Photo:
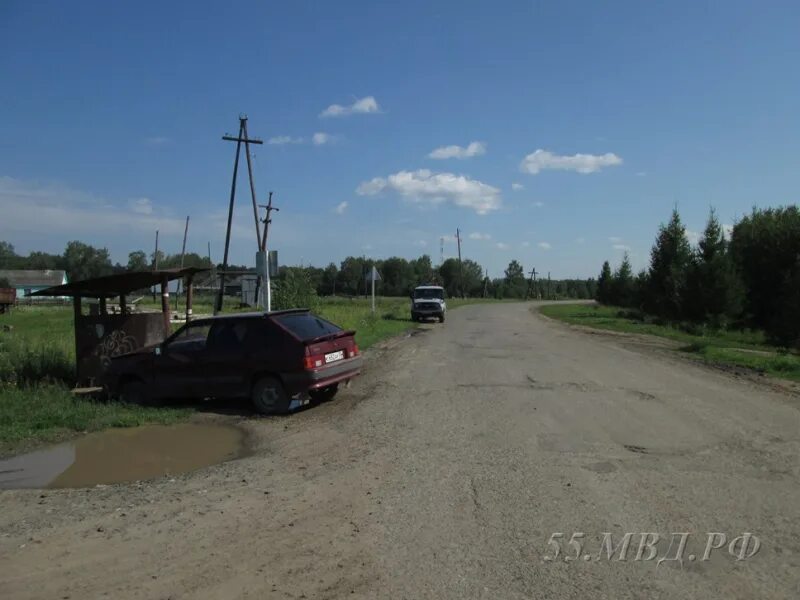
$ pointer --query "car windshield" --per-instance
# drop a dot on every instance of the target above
(431, 293)
(307, 326)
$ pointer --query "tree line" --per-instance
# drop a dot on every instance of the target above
(399, 276)
(747, 279)
(350, 277)
(83, 261)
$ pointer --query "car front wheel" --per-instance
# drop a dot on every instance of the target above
(134, 391)
(270, 397)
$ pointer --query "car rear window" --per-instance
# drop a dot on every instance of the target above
(307, 326)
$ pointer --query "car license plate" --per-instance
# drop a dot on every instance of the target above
(334, 356)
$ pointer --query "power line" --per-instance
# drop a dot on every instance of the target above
(460, 267)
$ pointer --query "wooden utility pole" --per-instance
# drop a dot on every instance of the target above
(486, 284)
(263, 248)
(531, 283)
(155, 264)
(247, 143)
(183, 255)
(267, 220)
(241, 138)
(155, 254)
(460, 267)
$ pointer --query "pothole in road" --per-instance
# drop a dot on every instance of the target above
(122, 455)
(636, 449)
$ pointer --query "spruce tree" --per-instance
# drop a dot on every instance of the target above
(603, 295)
(714, 291)
(669, 262)
(622, 287)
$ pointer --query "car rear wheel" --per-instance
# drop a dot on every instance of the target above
(323, 394)
(270, 397)
(134, 391)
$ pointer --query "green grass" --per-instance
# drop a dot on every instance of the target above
(740, 348)
(47, 412)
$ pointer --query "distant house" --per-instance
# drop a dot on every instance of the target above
(27, 281)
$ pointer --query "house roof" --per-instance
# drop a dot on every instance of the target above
(21, 278)
(115, 285)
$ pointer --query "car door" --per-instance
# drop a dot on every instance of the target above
(178, 363)
(225, 361)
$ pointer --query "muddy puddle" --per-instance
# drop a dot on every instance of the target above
(123, 455)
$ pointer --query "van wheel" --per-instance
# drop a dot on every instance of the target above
(269, 397)
(323, 394)
(134, 391)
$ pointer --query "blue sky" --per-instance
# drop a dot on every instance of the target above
(111, 118)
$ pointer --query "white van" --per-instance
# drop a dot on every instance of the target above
(427, 301)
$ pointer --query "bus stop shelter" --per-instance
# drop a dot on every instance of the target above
(100, 334)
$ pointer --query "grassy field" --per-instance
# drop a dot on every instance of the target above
(37, 359)
(727, 348)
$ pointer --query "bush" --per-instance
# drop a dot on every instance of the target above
(25, 363)
(294, 290)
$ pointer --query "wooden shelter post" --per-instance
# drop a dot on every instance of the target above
(76, 311)
(189, 297)
(165, 304)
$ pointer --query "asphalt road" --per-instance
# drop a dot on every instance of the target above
(443, 473)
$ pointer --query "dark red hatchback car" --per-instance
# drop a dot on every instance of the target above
(267, 357)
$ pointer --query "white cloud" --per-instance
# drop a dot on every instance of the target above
(421, 243)
(321, 138)
(157, 140)
(479, 236)
(580, 240)
(614, 239)
(28, 207)
(727, 229)
(425, 187)
(281, 140)
(503, 246)
(622, 247)
(525, 244)
(538, 204)
(473, 149)
(544, 245)
(142, 206)
(581, 163)
(363, 106)
(693, 236)
(641, 173)
(341, 207)
(517, 186)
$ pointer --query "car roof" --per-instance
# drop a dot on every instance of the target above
(254, 314)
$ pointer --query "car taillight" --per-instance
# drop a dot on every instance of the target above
(354, 351)
(312, 362)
